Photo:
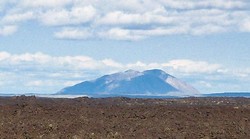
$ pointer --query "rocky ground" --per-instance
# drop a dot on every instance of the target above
(207, 118)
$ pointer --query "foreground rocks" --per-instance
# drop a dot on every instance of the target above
(207, 118)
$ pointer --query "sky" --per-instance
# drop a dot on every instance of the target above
(46, 45)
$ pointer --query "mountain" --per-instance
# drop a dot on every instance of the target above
(147, 83)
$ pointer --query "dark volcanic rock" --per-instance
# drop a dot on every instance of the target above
(31, 117)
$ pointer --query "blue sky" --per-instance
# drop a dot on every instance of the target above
(46, 45)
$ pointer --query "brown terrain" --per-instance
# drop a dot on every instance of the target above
(88, 118)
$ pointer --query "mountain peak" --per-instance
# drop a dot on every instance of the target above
(126, 75)
(130, 71)
(155, 71)
(131, 82)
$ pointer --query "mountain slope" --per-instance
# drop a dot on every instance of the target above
(149, 82)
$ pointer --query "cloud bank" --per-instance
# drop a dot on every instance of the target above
(127, 19)
(48, 74)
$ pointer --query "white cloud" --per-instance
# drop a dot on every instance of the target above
(41, 62)
(3, 4)
(73, 33)
(130, 19)
(17, 17)
(49, 74)
(189, 66)
(144, 66)
(245, 25)
(4, 55)
(119, 18)
(240, 73)
(164, 31)
(205, 84)
(192, 4)
(7, 30)
(138, 34)
(71, 83)
(45, 3)
(112, 63)
(75, 16)
(208, 29)
(35, 83)
(138, 65)
(120, 34)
